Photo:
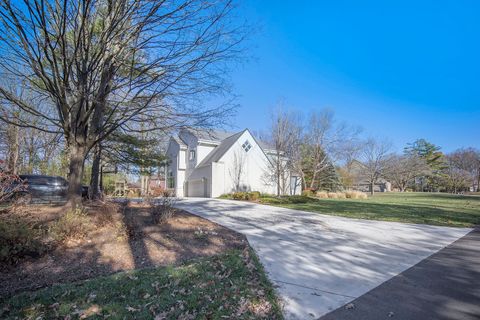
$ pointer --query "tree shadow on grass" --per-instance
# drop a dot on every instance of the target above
(103, 252)
(417, 213)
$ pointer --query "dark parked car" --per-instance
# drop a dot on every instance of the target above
(85, 192)
(44, 188)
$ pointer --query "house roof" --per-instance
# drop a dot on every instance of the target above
(220, 135)
(221, 149)
(179, 141)
(210, 134)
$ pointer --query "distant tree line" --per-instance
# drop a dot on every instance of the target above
(330, 155)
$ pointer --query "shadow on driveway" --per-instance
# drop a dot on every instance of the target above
(444, 286)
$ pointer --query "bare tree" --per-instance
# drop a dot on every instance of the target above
(237, 170)
(455, 178)
(284, 136)
(403, 169)
(374, 156)
(99, 65)
(468, 160)
(325, 141)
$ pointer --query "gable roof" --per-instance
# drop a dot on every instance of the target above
(210, 135)
(221, 149)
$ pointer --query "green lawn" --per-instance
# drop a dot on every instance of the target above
(232, 285)
(426, 208)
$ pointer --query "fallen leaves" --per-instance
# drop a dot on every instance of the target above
(132, 309)
(350, 306)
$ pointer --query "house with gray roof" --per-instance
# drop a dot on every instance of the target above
(209, 163)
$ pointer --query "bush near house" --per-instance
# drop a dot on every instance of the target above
(242, 195)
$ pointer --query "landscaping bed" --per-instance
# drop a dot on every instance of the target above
(107, 242)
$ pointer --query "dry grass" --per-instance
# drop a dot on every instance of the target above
(355, 195)
(321, 195)
(73, 225)
(341, 195)
(20, 235)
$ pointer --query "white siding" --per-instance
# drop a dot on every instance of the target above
(217, 178)
(173, 152)
(255, 168)
(202, 151)
(182, 160)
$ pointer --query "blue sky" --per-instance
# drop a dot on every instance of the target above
(400, 69)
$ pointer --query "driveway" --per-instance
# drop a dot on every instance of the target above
(320, 263)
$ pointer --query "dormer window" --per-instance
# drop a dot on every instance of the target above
(192, 155)
(246, 146)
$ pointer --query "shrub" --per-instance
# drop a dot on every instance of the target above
(74, 224)
(19, 237)
(254, 195)
(156, 191)
(308, 193)
(239, 196)
(355, 195)
(332, 195)
(104, 212)
(341, 195)
(297, 199)
(272, 200)
(162, 209)
(362, 195)
(10, 185)
(321, 194)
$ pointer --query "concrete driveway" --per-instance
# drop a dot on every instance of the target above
(319, 262)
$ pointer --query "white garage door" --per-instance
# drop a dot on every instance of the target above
(197, 188)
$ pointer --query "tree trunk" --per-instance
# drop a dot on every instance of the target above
(76, 163)
(278, 174)
(13, 149)
(94, 191)
(478, 181)
(314, 176)
(372, 191)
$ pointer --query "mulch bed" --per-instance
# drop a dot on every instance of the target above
(108, 250)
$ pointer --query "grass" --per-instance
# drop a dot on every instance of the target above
(231, 285)
(424, 208)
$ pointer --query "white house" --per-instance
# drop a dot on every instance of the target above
(211, 163)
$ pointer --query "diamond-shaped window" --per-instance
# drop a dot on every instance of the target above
(246, 146)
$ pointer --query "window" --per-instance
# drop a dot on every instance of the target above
(246, 146)
(170, 180)
(192, 155)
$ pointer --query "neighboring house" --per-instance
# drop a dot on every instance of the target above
(211, 163)
(360, 183)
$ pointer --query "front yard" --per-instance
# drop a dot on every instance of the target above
(230, 285)
(116, 262)
(425, 208)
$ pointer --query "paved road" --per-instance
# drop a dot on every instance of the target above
(321, 263)
(446, 285)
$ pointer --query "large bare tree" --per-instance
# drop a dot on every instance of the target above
(102, 64)
(374, 158)
(325, 141)
(468, 160)
(284, 136)
(402, 170)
